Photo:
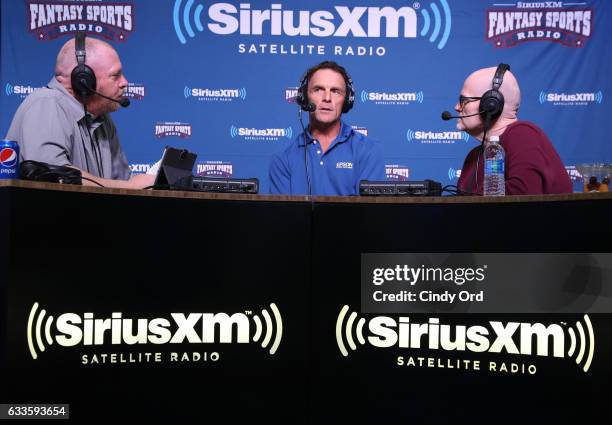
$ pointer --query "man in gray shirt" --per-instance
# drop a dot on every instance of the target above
(51, 126)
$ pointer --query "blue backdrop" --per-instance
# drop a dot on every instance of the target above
(218, 77)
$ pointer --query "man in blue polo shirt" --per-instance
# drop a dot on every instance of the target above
(336, 156)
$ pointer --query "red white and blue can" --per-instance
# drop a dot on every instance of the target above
(9, 159)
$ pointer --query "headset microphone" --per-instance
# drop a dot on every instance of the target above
(310, 107)
(123, 101)
(446, 115)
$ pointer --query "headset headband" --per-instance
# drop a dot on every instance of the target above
(498, 79)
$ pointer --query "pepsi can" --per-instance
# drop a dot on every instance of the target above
(9, 159)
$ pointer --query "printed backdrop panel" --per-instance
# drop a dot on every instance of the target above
(218, 77)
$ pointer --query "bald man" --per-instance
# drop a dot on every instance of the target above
(50, 125)
(532, 165)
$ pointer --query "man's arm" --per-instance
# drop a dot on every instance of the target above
(41, 135)
(138, 181)
(279, 175)
(371, 164)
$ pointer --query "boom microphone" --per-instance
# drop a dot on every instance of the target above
(123, 101)
(446, 115)
(311, 107)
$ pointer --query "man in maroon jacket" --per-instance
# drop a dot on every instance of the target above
(532, 164)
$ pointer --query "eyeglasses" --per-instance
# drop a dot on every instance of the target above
(464, 100)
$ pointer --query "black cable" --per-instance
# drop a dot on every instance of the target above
(93, 181)
(305, 151)
(97, 153)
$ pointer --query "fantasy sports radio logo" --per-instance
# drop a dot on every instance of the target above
(173, 129)
(135, 91)
(215, 95)
(510, 339)
(215, 169)
(52, 19)
(430, 20)
(571, 99)
(291, 94)
(453, 174)
(269, 134)
(573, 173)
(391, 98)
(569, 24)
(19, 90)
(397, 172)
(436, 138)
(79, 330)
(8, 159)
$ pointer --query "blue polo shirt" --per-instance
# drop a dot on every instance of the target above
(350, 158)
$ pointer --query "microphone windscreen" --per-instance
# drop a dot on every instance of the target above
(311, 107)
(446, 115)
(124, 101)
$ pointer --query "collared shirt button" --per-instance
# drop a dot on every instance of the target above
(321, 162)
(318, 151)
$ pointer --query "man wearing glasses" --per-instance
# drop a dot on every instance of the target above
(488, 106)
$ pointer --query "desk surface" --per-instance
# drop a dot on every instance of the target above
(321, 199)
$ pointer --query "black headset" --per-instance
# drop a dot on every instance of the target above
(43, 172)
(349, 97)
(82, 78)
(492, 101)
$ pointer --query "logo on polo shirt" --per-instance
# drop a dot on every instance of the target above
(346, 165)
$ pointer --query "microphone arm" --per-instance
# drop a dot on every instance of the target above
(446, 115)
(123, 101)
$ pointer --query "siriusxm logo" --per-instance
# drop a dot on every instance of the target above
(515, 338)
(571, 98)
(397, 172)
(168, 129)
(249, 133)
(223, 95)
(19, 90)
(85, 329)
(397, 98)
(337, 21)
(453, 174)
(51, 19)
(135, 91)
(215, 169)
(439, 137)
(140, 168)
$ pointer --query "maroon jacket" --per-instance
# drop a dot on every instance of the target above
(532, 164)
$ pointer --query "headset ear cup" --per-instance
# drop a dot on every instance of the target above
(492, 103)
(80, 74)
(349, 99)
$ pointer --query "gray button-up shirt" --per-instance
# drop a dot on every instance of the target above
(50, 126)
